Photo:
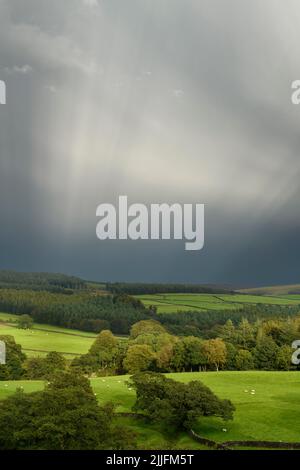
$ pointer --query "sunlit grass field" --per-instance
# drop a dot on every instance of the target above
(45, 338)
(271, 412)
(171, 303)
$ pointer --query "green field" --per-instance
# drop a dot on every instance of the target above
(42, 339)
(272, 413)
(171, 303)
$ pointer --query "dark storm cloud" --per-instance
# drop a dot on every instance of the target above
(161, 100)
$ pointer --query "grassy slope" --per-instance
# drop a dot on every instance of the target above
(170, 303)
(273, 290)
(44, 338)
(273, 413)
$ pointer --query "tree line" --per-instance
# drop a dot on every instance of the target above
(206, 323)
(66, 415)
(51, 282)
(91, 311)
(150, 288)
(265, 345)
(83, 310)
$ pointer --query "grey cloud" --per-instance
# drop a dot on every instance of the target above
(162, 100)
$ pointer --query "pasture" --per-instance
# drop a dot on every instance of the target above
(171, 303)
(267, 405)
(42, 339)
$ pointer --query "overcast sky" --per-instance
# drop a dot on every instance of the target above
(163, 101)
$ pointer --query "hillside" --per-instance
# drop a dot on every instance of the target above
(270, 413)
(172, 303)
(52, 282)
(290, 289)
(41, 339)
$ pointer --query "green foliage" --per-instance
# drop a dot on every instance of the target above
(13, 369)
(103, 355)
(25, 322)
(194, 353)
(214, 351)
(146, 327)
(37, 368)
(140, 288)
(273, 412)
(265, 353)
(245, 334)
(283, 358)
(231, 353)
(139, 357)
(105, 343)
(65, 416)
(204, 323)
(82, 310)
(40, 281)
(244, 360)
(176, 405)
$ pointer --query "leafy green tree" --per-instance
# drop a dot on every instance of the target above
(155, 340)
(244, 360)
(56, 361)
(231, 352)
(245, 334)
(104, 349)
(103, 356)
(120, 356)
(65, 416)
(105, 341)
(25, 322)
(284, 358)
(43, 367)
(176, 405)
(265, 353)
(162, 346)
(227, 331)
(146, 327)
(215, 352)
(282, 333)
(194, 357)
(177, 360)
(13, 369)
(34, 368)
(164, 357)
(139, 357)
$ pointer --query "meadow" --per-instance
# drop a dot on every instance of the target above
(171, 303)
(41, 339)
(267, 405)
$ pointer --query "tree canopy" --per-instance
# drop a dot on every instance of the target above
(174, 404)
(65, 416)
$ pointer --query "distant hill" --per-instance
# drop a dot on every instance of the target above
(52, 282)
(273, 290)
